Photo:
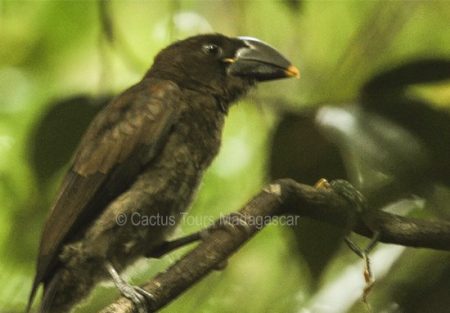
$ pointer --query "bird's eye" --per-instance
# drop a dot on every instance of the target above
(212, 49)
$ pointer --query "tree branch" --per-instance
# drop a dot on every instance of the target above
(285, 196)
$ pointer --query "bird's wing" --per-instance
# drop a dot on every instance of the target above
(122, 138)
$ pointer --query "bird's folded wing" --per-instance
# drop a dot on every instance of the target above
(122, 139)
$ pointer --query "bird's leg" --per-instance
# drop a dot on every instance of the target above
(140, 297)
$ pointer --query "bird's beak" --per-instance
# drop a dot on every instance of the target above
(260, 61)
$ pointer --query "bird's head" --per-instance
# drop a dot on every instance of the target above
(223, 66)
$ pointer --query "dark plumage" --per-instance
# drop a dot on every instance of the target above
(145, 153)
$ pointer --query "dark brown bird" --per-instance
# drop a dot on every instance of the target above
(144, 154)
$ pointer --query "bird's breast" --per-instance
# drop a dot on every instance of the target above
(172, 178)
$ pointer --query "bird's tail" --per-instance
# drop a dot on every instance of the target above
(62, 292)
(49, 296)
(50, 290)
(34, 289)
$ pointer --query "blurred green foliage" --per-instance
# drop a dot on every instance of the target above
(51, 51)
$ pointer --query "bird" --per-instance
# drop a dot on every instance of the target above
(144, 154)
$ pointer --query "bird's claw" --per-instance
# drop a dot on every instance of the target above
(141, 298)
(147, 297)
(135, 295)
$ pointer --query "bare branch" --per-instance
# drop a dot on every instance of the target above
(285, 196)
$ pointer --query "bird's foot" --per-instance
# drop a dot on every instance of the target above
(141, 298)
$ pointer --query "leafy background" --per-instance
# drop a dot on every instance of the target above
(60, 61)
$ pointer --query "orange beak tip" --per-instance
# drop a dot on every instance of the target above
(293, 71)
